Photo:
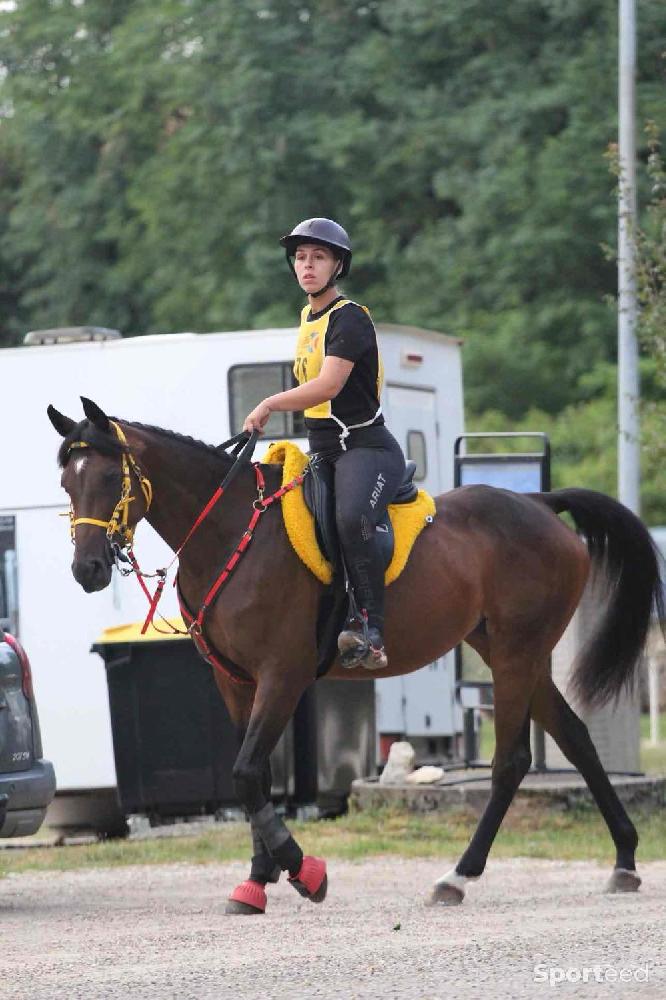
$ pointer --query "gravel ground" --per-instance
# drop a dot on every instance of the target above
(161, 932)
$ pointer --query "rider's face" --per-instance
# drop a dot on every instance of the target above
(314, 265)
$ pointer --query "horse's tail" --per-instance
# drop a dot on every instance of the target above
(621, 545)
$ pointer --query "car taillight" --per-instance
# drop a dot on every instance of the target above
(26, 673)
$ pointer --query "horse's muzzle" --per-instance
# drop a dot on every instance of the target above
(92, 574)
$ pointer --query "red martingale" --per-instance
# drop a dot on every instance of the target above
(260, 505)
(250, 893)
(207, 651)
(195, 623)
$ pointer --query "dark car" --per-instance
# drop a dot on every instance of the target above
(27, 782)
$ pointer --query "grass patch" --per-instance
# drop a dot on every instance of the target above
(487, 738)
(652, 759)
(527, 832)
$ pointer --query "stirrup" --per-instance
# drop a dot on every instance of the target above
(353, 648)
(357, 649)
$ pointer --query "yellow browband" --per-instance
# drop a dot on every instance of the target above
(118, 523)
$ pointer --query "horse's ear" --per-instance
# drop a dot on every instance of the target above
(62, 424)
(95, 415)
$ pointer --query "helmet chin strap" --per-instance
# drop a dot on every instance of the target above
(329, 284)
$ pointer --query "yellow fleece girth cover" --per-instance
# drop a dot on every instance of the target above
(408, 519)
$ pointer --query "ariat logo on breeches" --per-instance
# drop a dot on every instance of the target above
(377, 491)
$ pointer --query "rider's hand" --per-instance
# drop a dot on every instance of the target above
(257, 420)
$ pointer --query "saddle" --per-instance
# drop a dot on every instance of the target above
(319, 497)
(309, 518)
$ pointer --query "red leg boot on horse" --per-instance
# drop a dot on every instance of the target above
(251, 776)
(249, 897)
(274, 850)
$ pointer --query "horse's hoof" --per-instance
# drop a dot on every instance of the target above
(238, 909)
(247, 899)
(623, 880)
(445, 894)
(311, 881)
(320, 895)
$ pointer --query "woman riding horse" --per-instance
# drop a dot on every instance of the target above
(340, 376)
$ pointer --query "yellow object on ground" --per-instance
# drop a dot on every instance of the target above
(132, 632)
(408, 519)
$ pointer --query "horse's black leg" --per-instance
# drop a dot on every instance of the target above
(273, 706)
(510, 765)
(264, 868)
(245, 898)
(551, 710)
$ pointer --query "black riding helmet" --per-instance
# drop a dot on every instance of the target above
(327, 233)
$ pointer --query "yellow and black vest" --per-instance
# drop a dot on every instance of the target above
(358, 403)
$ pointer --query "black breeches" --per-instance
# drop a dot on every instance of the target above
(366, 480)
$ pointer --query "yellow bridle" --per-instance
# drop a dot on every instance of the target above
(118, 524)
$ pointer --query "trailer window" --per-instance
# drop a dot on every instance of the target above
(7, 572)
(416, 452)
(249, 384)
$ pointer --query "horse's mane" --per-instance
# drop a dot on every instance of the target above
(108, 444)
(187, 439)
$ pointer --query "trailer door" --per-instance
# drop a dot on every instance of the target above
(8, 597)
(412, 419)
(421, 704)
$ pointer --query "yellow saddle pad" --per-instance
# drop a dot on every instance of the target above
(408, 519)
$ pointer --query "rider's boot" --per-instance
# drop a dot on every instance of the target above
(361, 643)
(352, 646)
(352, 643)
(375, 658)
(362, 647)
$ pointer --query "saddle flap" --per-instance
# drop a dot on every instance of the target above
(319, 497)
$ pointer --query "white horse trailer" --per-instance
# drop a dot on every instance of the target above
(203, 385)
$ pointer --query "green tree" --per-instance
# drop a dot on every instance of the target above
(160, 148)
(583, 437)
(651, 282)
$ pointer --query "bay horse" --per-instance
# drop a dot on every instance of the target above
(495, 569)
